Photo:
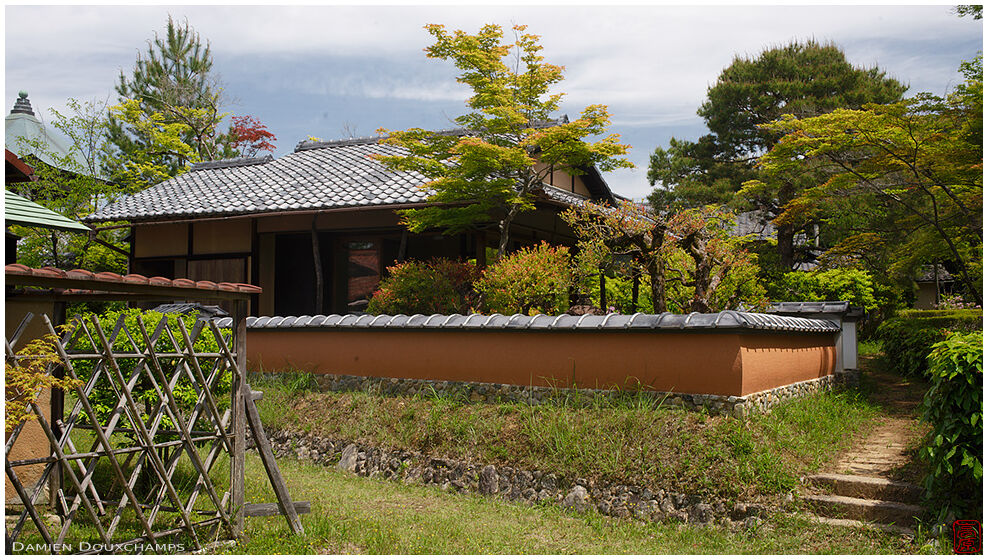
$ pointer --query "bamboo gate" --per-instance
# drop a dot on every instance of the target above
(143, 438)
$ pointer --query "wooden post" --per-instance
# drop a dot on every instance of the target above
(317, 264)
(57, 412)
(274, 475)
(402, 246)
(239, 419)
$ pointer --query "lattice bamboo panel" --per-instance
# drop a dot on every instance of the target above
(132, 454)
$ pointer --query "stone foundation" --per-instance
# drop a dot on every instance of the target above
(738, 407)
(515, 484)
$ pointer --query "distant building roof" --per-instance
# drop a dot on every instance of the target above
(201, 310)
(21, 211)
(754, 222)
(16, 170)
(318, 175)
(926, 274)
(22, 128)
(801, 308)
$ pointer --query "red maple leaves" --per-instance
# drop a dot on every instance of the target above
(251, 136)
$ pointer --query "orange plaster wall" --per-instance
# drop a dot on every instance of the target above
(687, 363)
(31, 443)
(775, 360)
(706, 363)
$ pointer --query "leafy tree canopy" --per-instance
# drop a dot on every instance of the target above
(72, 186)
(802, 79)
(496, 166)
(691, 259)
(920, 160)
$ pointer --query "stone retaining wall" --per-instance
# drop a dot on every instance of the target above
(529, 486)
(495, 392)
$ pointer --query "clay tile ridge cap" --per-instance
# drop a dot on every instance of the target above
(248, 288)
(159, 281)
(50, 272)
(81, 274)
(109, 277)
(206, 285)
(226, 287)
(183, 283)
(135, 279)
(15, 268)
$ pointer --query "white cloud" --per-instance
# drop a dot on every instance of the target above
(651, 64)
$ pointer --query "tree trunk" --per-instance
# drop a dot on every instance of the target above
(505, 227)
(656, 268)
(786, 246)
(635, 284)
(54, 248)
(658, 286)
(786, 232)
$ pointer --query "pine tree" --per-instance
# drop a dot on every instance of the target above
(173, 85)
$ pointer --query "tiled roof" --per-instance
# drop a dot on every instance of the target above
(22, 275)
(24, 133)
(185, 308)
(560, 195)
(801, 308)
(328, 177)
(809, 306)
(21, 211)
(318, 175)
(639, 321)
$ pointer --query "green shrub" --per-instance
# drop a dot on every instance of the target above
(532, 280)
(908, 338)
(437, 286)
(953, 447)
(104, 398)
(838, 284)
(619, 293)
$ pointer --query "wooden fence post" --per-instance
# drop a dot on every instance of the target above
(239, 419)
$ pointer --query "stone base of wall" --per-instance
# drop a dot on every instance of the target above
(738, 407)
(515, 484)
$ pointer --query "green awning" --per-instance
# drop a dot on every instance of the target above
(21, 211)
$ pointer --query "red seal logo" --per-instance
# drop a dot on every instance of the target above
(967, 536)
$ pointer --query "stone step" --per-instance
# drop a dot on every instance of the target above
(894, 529)
(878, 511)
(868, 487)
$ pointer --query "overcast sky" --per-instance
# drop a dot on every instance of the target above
(327, 71)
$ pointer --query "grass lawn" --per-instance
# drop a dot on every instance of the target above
(352, 515)
(632, 441)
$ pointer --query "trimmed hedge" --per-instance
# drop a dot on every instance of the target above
(908, 338)
(953, 447)
(437, 286)
(531, 280)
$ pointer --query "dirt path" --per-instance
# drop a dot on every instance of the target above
(888, 451)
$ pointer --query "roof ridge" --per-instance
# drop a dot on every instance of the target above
(459, 131)
(231, 162)
(316, 144)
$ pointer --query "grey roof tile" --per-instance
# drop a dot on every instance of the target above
(318, 175)
(315, 178)
(729, 320)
